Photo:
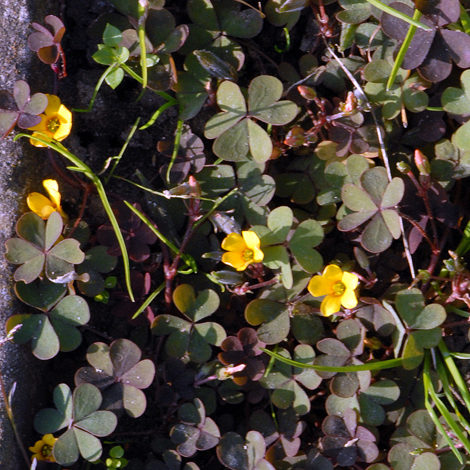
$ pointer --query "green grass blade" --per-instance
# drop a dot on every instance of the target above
(157, 113)
(97, 87)
(429, 391)
(176, 147)
(403, 49)
(117, 159)
(444, 378)
(398, 14)
(379, 365)
(464, 245)
(454, 371)
(149, 300)
(464, 19)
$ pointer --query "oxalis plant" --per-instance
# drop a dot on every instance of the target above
(278, 279)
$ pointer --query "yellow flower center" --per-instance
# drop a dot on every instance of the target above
(46, 450)
(53, 124)
(248, 255)
(338, 289)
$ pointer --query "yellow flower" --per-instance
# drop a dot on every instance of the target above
(56, 122)
(42, 450)
(338, 286)
(43, 206)
(242, 250)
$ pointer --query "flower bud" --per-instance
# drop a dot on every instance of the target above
(422, 163)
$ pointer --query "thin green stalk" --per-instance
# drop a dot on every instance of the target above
(97, 87)
(464, 19)
(217, 203)
(149, 300)
(444, 378)
(117, 159)
(403, 49)
(454, 371)
(379, 365)
(464, 245)
(143, 51)
(158, 112)
(189, 260)
(86, 170)
(398, 14)
(430, 392)
(176, 147)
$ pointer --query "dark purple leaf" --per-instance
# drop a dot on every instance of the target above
(93, 376)
(21, 92)
(437, 65)
(397, 29)
(367, 450)
(459, 46)
(429, 125)
(7, 101)
(441, 12)
(7, 122)
(28, 120)
(41, 29)
(56, 24)
(37, 104)
(38, 40)
(335, 426)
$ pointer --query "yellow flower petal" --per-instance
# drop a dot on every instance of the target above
(53, 105)
(333, 273)
(331, 304)
(348, 299)
(319, 286)
(350, 280)
(62, 132)
(251, 239)
(49, 439)
(37, 447)
(64, 115)
(234, 242)
(235, 259)
(258, 255)
(52, 187)
(37, 202)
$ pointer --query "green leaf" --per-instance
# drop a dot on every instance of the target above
(112, 36)
(279, 223)
(88, 445)
(376, 236)
(355, 11)
(457, 100)
(307, 236)
(357, 199)
(234, 144)
(412, 354)
(114, 78)
(273, 315)
(461, 138)
(45, 343)
(206, 303)
(261, 146)
(276, 257)
(66, 449)
(86, 400)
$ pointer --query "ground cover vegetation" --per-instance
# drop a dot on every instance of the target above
(285, 285)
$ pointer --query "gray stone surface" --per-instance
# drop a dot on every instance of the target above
(22, 169)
